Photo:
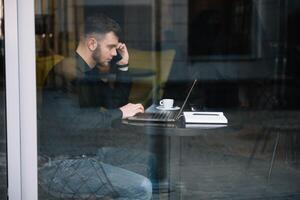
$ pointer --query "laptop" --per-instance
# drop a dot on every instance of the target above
(155, 115)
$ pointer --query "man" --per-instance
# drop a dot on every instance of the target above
(78, 86)
(97, 48)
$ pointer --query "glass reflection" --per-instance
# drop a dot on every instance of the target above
(3, 141)
(244, 55)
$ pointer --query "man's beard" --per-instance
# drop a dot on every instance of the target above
(96, 57)
(103, 67)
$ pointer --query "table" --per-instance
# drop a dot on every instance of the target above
(164, 137)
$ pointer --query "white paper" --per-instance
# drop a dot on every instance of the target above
(205, 126)
(205, 117)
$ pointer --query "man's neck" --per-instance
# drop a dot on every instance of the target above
(85, 55)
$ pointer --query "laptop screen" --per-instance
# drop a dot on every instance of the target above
(185, 100)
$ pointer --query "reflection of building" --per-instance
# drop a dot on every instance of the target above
(64, 21)
(1, 46)
(222, 29)
(264, 78)
(204, 33)
(44, 30)
(1, 21)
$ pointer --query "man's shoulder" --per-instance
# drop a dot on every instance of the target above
(67, 62)
(66, 68)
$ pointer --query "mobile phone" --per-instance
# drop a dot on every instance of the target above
(114, 60)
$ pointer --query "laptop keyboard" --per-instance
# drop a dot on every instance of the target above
(157, 115)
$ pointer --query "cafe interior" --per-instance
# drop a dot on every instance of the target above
(244, 56)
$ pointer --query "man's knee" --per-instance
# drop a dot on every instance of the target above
(146, 189)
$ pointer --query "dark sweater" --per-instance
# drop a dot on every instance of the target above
(74, 93)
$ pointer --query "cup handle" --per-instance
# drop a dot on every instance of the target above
(161, 102)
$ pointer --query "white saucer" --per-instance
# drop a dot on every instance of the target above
(162, 108)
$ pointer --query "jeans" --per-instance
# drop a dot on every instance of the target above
(127, 184)
(134, 160)
(93, 178)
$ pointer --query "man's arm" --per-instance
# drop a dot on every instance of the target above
(123, 81)
(122, 87)
(61, 104)
(63, 109)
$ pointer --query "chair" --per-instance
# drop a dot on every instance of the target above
(287, 127)
(43, 67)
(160, 62)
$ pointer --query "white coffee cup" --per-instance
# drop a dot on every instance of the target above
(167, 103)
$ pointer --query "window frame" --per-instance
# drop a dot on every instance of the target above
(21, 99)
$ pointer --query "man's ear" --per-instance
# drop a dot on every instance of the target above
(92, 44)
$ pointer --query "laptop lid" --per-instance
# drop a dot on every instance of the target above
(186, 99)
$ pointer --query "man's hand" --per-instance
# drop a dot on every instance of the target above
(122, 49)
(130, 110)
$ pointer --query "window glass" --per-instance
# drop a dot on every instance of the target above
(93, 57)
(3, 141)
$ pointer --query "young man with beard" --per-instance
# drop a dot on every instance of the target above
(99, 51)
(96, 76)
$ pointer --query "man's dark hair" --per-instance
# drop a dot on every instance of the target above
(100, 24)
